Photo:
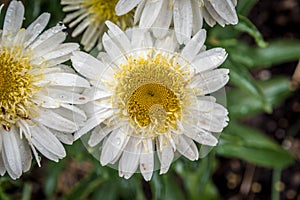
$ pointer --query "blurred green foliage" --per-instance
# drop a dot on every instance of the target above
(185, 180)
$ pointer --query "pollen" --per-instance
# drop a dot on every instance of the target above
(102, 10)
(150, 93)
(16, 87)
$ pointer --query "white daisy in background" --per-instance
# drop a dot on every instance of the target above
(36, 92)
(88, 16)
(187, 15)
(149, 96)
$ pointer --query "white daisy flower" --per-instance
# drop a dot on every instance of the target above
(148, 95)
(36, 92)
(187, 15)
(88, 16)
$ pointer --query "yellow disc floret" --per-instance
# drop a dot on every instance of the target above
(143, 105)
(150, 92)
(102, 10)
(16, 87)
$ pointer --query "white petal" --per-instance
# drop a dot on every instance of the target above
(168, 43)
(197, 17)
(226, 10)
(47, 35)
(207, 17)
(2, 167)
(138, 11)
(204, 106)
(118, 36)
(113, 146)
(25, 153)
(183, 20)
(99, 133)
(48, 45)
(209, 59)
(187, 147)
(163, 21)
(147, 159)
(36, 27)
(215, 120)
(165, 154)
(214, 14)
(63, 137)
(141, 41)
(61, 50)
(129, 160)
(76, 113)
(97, 94)
(113, 50)
(150, 13)
(87, 65)
(124, 6)
(93, 122)
(193, 46)
(209, 81)
(200, 135)
(81, 27)
(13, 19)
(79, 19)
(11, 153)
(56, 121)
(47, 143)
(73, 15)
(66, 79)
(63, 96)
(19, 38)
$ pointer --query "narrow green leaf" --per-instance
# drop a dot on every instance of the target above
(251, 145)
(107, 191)
(26, 194)
(241, 78)
(86, 186)
(245, 25)
(173, 190)
(3, 195)
(277, 52)
(275, 181)
(53, 171)
(197, 177)
(241, 104)
(157, 186)
(244, 6)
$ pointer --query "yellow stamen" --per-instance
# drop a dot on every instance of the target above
(102, 10)
(16, 87)
(150, 92)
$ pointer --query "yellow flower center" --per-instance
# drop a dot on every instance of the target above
(150, 92)
(102, 10)
(153, 103)
(16, 87)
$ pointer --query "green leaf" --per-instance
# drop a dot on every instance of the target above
(245, 25)
(241, 104)
(251, 145)
(3, 195)
(26, 194)
(197, 177)
(277, 52)
(53, 171)
(244, 6)
(172, 188)
(157, 186)
(241, 78)
(86, 186)
(107, 191)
